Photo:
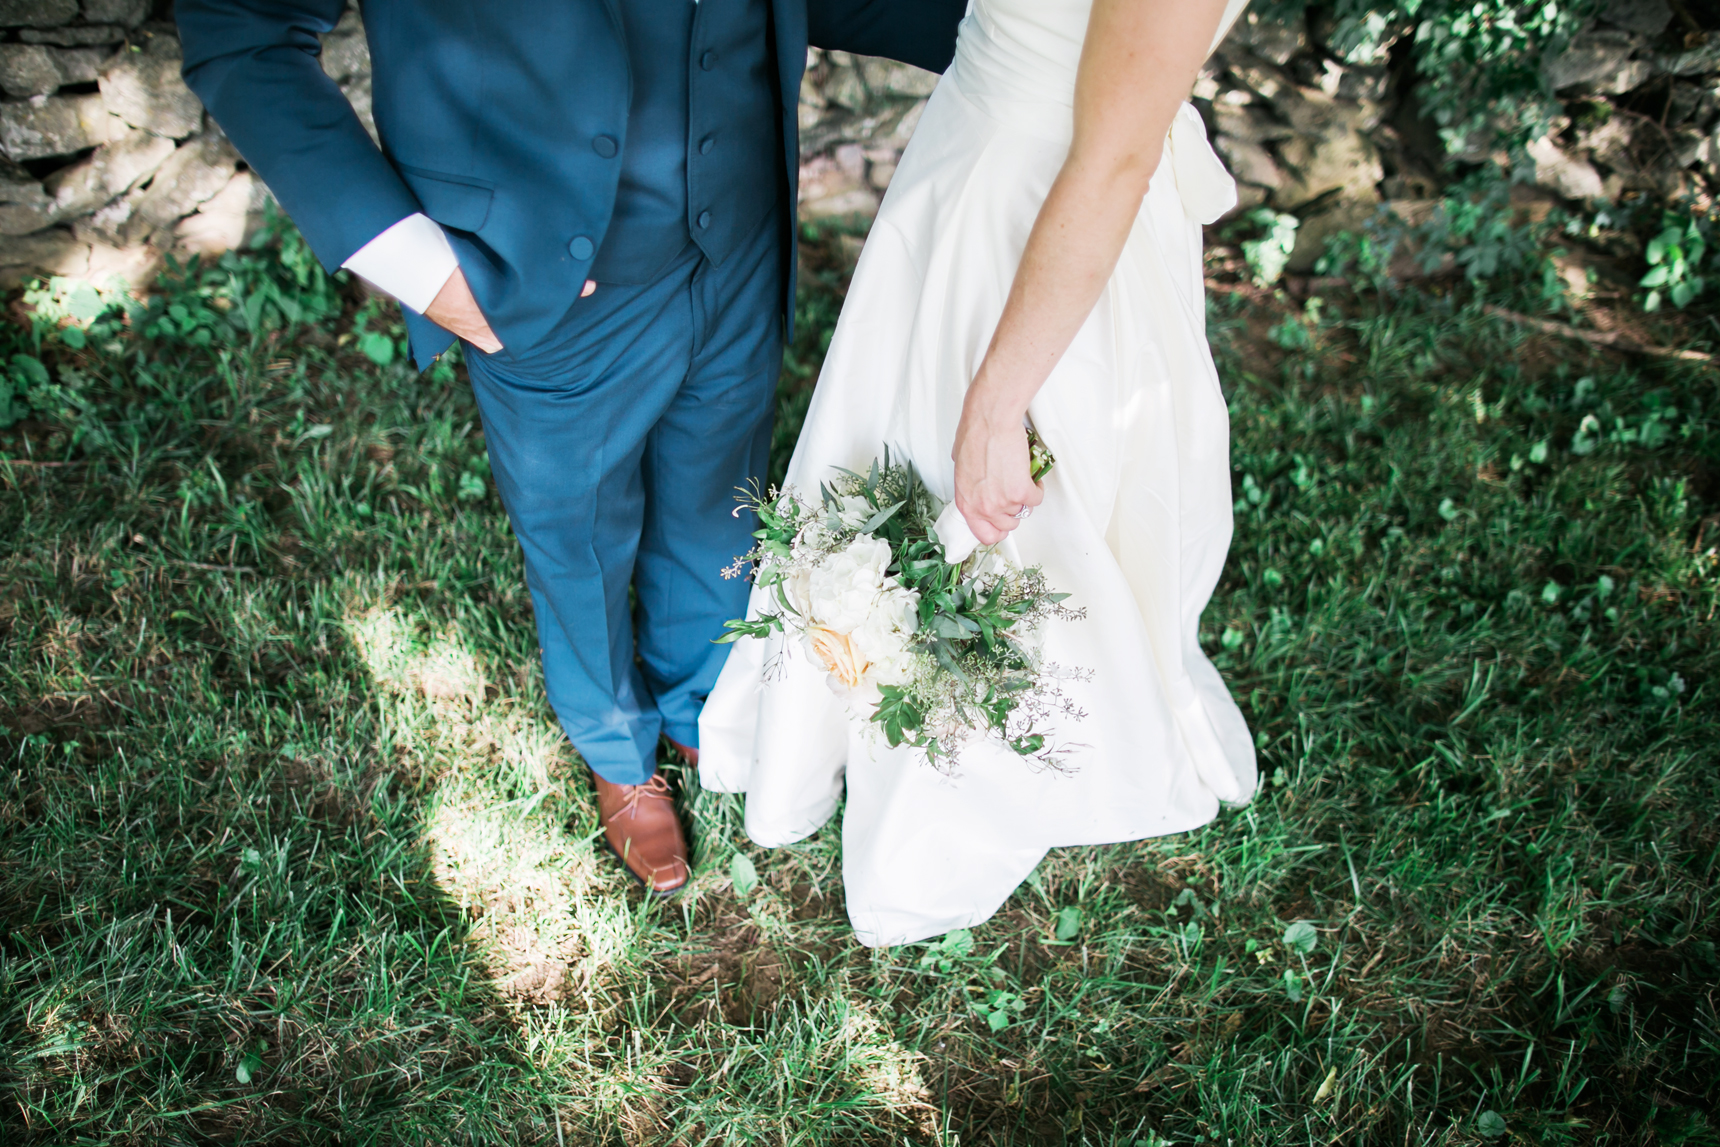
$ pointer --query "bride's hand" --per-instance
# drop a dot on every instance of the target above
(994, 482)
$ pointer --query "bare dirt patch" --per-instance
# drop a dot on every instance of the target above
(732, 973)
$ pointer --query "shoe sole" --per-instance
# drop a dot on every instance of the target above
(650, 890)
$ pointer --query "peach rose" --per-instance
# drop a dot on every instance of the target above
(838, 654)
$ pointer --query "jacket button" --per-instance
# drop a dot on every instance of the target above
(704, 219)
(708, 61)
(706, 144)
(604, 145)
(581, 247)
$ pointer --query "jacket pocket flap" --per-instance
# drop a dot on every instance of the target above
(451, 200)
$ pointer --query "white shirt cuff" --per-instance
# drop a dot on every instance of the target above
(412, 261)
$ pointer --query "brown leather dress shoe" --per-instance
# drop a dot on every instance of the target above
(641, 827)
(688, 753)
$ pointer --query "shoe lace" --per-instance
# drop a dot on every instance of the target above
(657, 788)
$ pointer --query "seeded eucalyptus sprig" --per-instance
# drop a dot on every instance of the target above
(781, 519)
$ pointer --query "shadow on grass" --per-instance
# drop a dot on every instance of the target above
(237, 885)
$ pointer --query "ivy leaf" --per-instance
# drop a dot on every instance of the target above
(1301, 937)
(377, 347)
(1068, 923)
(30, 369)
(743, 874)
(249, 1067)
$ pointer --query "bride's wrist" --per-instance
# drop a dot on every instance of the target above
(990, 406)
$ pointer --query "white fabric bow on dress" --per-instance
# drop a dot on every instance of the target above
(1205, 187)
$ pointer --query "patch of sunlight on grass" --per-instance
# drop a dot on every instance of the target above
(882, 1066)
(628, 1088)
(545, 919)
(532, 751)
(519, 880)
(384, 641)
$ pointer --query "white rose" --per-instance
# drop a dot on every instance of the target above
(883, 638)
(798, 585)
(844, 586)
(902, 606)
(853, 511)
(813, 536)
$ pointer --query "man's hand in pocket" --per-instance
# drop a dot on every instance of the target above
(455, 310)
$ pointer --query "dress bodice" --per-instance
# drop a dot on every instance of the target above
(1017, 59)
(1028, 51)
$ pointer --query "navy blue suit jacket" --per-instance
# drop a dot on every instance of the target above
(487, 110)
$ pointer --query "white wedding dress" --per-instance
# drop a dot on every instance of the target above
(1135, 523)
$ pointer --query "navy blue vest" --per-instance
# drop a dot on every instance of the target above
(700, 163)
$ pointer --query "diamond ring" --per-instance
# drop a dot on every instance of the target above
(1025, 511)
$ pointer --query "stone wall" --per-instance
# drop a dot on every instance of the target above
(107, 157)
(1329, 140)
(108, 163)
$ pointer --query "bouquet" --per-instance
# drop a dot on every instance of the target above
(930, 637)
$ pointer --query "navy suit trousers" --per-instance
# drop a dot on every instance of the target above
(619, 444)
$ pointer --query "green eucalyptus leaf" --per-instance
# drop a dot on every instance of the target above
(881, 517)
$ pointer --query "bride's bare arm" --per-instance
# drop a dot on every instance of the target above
(1139, 61)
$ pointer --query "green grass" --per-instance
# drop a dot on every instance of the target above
(291, 850)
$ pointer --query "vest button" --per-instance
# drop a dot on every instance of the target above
(581, 247)
(708, 61)
(706, 144)
(604, 145)
(704, 219)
